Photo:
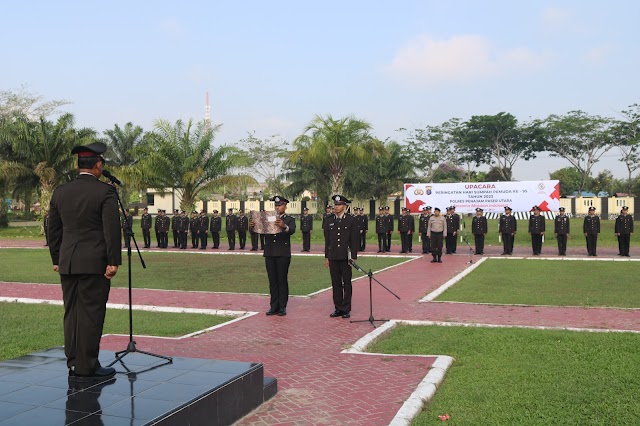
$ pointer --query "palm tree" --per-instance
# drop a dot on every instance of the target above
(121, 155)
(335, 144)
(180, 156)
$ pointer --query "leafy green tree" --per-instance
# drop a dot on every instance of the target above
(626, 135)
(580, 139)
(334, 145)
(570, 179)
(181, 156)
(121, 156)
(267, 157)
(604, 182)
(23, 103)
(430, 146)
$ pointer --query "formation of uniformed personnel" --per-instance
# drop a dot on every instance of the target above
(423, 226)
(306, 226)
(232, 225)
(277, 257)
(591, 229)
(363, 227)
(562, 229)
(453, 227)
(328, 211)
(127, 224)
(437, 232)
(145, 224)
(162, 229)
(216, 228)
(624, 230)
(536, 230)
(406, 227)
(479, 228)
(203, 229)
(341, 245)
(45, 227)
(194, 228)
(243, 227)
(174, 228)
(183, 224)
(381, 230)
(84, 236)
(390, 226)
(508, 228)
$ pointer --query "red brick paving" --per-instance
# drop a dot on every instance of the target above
(318, 384)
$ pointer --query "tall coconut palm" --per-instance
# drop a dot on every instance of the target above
(181, 156)
(335, 144)
(121, 156)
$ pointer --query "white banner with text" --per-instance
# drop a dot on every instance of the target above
(489, 196)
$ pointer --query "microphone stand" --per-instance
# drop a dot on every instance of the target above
(371, 319)
(131, 347)
(465, 238)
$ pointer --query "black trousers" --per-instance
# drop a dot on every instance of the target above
(410, 242)
(562, 244)
(182, 239)
(242, 239)
(254, 241)
(388, 242)
(536, 243)
(479, 239)
(215, 239)
(46, 236)
(176, 238)
(452, 243)
(592, 243)
(404, 242)
(204, 236)
(363, 240)
(426, 243)
(126, 237)
(278, 274)
(507, 242)
(163, 239)
(341, 273)
(146, 235)
(624, 241)
(436, 243)
(306, 241)
(85, 305)
(231, 236)
(261, 241)
(382, 242)
(195, 239)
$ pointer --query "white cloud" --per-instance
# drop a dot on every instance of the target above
(556, 17)
(597, 55)
(426, 62)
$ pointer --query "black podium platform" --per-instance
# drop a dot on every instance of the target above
(35, 390)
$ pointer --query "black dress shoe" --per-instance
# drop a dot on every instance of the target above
(282, 312)
(346, 315)
(336, 314)
(434, 261)
(271, 312)
(102, 373)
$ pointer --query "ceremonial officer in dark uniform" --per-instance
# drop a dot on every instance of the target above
(145, 225)
(562, 229)
(479, 229)
(184, 225)
(243, 227)
(194, 228)
(591, 229)
(453, 227)
(162, 228)
(390, 226)
(341, 245)
(216, 228)
(423, 227)
(437, 232)
(84, 233)
(328, 211)
(203, 229)
(45, 227)
(381, 230)
(536, 230)
(127, 223)
(277, 257)
(508, 228)
(157, 228)
(262, 238)
(174, 228)
(363, 228)
(231, 227)
(306, 226)
(624, 230)
(406, 227)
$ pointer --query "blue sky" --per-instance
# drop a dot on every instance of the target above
(271, 66)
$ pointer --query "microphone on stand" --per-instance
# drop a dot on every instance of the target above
(357, 267)
(112, 178)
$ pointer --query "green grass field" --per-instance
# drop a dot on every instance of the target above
(29, 328)
(549, 282)
(190, 271)
(527, 377)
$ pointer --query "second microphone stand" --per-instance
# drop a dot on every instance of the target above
(371, 319)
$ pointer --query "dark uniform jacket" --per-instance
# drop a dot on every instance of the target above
(128, 223)
(562, 225)
(203, 225)
(84, 226)
(162, 223)
(174, 222)
(280, 244)
(45, 223)
(324, 218)
(306, 223)
(216, 224)
(423, 223)
(536, 224)
(390, 223)
(363, 222)
(453, 223)
(381, 225)
(243, 224)
(341, 237)
(508, 224)
(479, 225)
(232, 222)
(193, 224)
(406, 223)
(591, 225)
(145, 221)
(624, 224)
(183, 224)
